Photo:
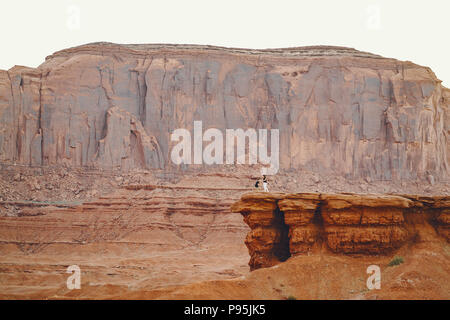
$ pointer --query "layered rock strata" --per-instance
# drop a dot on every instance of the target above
(143, 236)
(284, 225)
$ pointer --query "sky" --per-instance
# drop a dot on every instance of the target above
(413, 30)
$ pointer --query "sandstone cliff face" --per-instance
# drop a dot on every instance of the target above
(284, 225)
(338, 110)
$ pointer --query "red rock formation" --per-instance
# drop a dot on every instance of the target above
(144, 236)
(341, 113)
(346, 223)
(364, 223)
(299, 211)
(105, 105)
(266, 239)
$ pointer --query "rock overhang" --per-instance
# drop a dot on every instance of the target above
(342, 223)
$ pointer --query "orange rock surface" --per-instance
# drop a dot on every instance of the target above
(343, 223)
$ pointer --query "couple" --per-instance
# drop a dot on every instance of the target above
(265, 183)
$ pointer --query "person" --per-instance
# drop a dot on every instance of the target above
(257, 184)
(265, 183)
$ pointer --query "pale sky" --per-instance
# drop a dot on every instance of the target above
(413, 30)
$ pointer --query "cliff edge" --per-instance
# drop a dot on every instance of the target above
(285, 225)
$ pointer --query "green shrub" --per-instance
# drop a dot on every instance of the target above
(396, 261)
(291, 297)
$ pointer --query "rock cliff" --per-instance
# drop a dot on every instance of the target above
(86, 176)
(106, 105)
(284, 225)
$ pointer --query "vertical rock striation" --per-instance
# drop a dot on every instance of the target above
(106, 105)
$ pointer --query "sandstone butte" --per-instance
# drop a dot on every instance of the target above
(339, 110)
(86, 176)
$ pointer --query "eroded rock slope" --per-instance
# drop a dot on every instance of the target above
(284, 225)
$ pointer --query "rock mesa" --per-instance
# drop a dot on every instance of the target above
(105, 105)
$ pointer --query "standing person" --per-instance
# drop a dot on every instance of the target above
(265, 183)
